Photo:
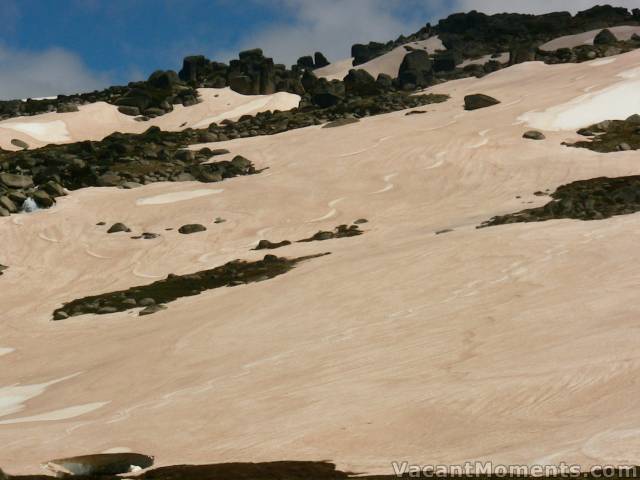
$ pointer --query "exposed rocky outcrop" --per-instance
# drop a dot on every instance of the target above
(128, 160)
(593, 199)
(310, 470)
(152, 97)
(154, 295)
(124, 160)
(341, 231)
(479, 100)
(611, 136)
(2, 269)
(99, 464)
(416, 70)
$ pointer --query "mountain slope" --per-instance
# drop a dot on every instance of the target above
(513, 343)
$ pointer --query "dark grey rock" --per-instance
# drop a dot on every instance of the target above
(605, 37)
(192, 228)
(533, 135)
(20, 143)
(129, 110)
(118, 227)
(479, 100)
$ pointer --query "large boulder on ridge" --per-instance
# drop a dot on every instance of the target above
(360, 82)
(416, 70)
(478, 100)
(605, 37)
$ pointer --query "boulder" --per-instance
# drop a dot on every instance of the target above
(16, 181)
(384, 81)
(416, 70)
(118, 227)
(306, 62)
(478, 100)
(605, 37)
(533, 135)
(361, 83)
(241, 164)
(320, 60)
(192, 228)
(43, 199)
(109, 180)
(363, 53)
(103, 464)
(20, 143)
(128, 110)
(7, 204)
(445, 62)
(164, 79)
(54, 189)
(191, 66)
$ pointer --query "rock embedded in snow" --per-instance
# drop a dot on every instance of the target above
(267, 245)
(534, 135)
(20, 144)
(118, 227)
(479, 100)
(192, 228)
(416, 70)
(99, 465)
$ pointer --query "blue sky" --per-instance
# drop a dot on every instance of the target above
(64, 46)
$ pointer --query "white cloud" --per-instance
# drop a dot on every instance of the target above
(45, 73)
(330, 26)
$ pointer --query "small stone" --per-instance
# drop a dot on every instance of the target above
(624, 147)
(219, 220)
(360, 221)
(146, 302)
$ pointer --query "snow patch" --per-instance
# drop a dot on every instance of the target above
(61, 414)
(175, 197)
(55, 131)
(617, 102)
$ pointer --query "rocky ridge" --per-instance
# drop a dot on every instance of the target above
(152, 298)
(593, 199)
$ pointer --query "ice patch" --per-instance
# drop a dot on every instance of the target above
(61, 414)
(55, 131)
(600, 63)
(614, 103)
(285, 101)
(175, 197)
(29, 205)
(13, 398)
